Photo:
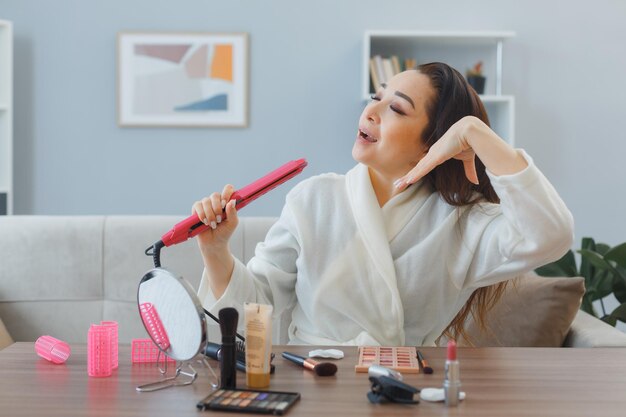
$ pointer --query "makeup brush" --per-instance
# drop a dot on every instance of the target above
(427, 369)
(320, 368)
(228, 361)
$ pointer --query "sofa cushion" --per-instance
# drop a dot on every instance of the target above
(589, 332)
(50, 258)
(125, 240)
(533, 311)
(68, 320)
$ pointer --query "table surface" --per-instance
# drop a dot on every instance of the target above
(498, 382)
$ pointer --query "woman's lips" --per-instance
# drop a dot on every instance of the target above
(366, 136)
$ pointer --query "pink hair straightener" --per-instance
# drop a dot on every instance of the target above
(192, 226)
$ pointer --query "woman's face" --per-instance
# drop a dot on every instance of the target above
(390, 128)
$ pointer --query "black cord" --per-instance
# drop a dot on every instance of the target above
(155, 252)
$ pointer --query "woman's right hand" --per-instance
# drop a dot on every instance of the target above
(210, 211)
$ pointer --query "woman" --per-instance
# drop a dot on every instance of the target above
(366, 259)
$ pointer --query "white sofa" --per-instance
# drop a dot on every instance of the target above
(59, 274)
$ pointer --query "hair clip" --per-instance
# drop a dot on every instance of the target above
(385, 389)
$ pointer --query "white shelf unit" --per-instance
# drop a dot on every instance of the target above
(461, 50)
(6, 117)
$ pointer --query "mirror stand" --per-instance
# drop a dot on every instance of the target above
(180, 378)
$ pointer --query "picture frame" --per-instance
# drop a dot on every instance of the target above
(182, 79)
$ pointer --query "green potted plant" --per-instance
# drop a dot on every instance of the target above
(475, 77)
(604, 270)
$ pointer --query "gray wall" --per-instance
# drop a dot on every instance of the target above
(565, 67)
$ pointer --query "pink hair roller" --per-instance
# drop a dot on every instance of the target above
(52, 349)
(154, 325)
(145, 351)
(99, 351)
(114, 338)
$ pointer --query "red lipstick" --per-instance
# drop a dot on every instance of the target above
(452, 381)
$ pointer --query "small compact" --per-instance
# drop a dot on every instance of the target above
(249, 401)
(385, 390)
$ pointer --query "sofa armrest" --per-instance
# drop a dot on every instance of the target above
(587, 331)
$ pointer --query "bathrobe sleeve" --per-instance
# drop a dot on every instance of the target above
(269, 277)
(533, 227)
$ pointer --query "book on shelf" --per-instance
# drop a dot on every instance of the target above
(380, 73)
(382, 69)
(388, 69)
(395, 62)
(374, 75)
(410, 63)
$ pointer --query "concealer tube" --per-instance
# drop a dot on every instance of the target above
(258, 344)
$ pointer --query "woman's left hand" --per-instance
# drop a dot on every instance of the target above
(453, 144)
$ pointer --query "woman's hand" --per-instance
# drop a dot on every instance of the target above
(454, 144)
(210, 210)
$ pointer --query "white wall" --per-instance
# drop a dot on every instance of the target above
(566, 68)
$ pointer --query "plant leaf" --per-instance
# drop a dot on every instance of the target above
(619, 313)
(609, 320)
(599, 262)
(588, 243)
(602, 248)
(619, 290)
(586, 269)
(595, 259)
(564, 267)
(591, 293)
(617, 254)
(620, 273)
(603, 284)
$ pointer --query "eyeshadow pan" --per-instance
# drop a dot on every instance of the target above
(400, 358)
(282, 405)
(249, 401)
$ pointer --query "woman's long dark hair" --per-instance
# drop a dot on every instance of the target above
(454, 99)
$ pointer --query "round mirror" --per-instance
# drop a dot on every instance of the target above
(172, 314)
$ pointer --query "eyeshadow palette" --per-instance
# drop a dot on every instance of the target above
(249, 401)
(402, 358)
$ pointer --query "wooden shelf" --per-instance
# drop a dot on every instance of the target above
(461, 50)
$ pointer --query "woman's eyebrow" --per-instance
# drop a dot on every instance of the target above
(407, 98)
(399, 94)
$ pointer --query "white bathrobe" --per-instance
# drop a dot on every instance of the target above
(359, 274)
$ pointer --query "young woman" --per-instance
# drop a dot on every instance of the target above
(422, 232)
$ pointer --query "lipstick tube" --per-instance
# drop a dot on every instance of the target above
(452, 381)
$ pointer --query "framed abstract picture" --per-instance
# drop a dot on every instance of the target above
(182, 79)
